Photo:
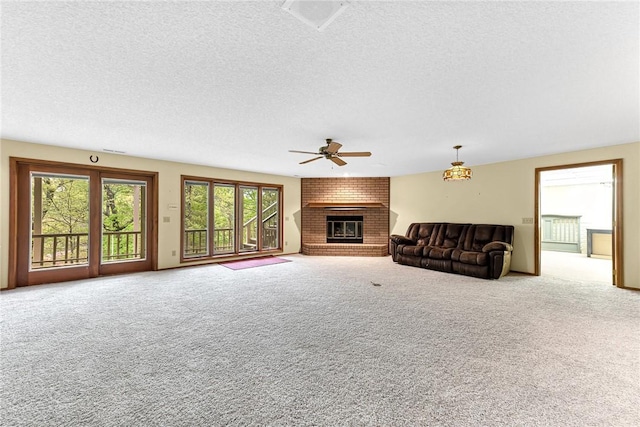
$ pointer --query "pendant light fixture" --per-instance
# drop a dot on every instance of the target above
(457, 172)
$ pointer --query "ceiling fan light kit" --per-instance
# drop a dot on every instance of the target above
(318, 14)
(330, 152)
(457, 172)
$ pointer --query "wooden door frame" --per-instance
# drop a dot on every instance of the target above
(15, 196)
(616, 235)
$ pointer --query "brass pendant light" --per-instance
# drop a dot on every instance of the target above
(457, 172)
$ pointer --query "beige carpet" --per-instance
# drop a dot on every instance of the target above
(566, 265)
(316, 342)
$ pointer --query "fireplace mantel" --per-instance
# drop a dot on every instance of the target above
(349, 205)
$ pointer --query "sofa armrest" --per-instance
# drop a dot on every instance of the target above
(401, 240)
(497, 246)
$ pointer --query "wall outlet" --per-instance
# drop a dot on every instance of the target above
(166, 219)
(527, 220)
(173, 253)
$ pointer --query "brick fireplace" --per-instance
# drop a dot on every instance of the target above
(325, 201)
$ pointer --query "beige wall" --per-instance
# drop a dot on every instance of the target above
(169, 193)
(503, 193)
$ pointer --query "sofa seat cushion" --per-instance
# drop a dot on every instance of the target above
(470, 257)
(435, 252)
(412, 250)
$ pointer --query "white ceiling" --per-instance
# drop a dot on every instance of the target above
(237, 84)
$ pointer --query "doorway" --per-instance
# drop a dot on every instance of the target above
(76, 222)
(578, 221)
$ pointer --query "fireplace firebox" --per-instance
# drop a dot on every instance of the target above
(344, 229)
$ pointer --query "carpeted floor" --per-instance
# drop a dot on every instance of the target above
(321, 341)
(572, 266)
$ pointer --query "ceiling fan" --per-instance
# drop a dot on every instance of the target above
(330, 151)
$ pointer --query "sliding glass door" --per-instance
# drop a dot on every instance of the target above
(75, 222)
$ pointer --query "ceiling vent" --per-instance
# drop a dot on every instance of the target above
(316, 13)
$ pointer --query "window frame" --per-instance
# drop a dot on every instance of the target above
(237, 252)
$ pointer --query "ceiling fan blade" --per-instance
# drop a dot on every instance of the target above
(311, 160)
(303, 152)
(354, 154)
(333, 147)
(338, 161)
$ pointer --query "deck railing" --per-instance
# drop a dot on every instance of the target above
(54, 250)
(195, 241)
(122, 245)
(66, 249)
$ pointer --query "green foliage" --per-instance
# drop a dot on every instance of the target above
(122, 209)
(118, 201)
(249, 203)
(224, 202)
(65, 210)
(65, 204)
(196, 206)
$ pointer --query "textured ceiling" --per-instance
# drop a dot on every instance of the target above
(236, 84)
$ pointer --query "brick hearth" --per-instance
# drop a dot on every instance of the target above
(371, 195)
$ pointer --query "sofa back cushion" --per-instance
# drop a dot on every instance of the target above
(428, 233)
(479, 235)
(412, 231)
(450, 235)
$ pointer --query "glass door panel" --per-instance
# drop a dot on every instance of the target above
(124, 220)
(249, 220)
(59, 221)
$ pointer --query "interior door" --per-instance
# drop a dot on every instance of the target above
(610, 223)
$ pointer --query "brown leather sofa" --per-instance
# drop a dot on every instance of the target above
(479, 250)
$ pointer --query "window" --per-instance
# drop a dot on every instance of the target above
(196, 218)
(235, 218)
(224, 214)
(270, 218)
(249, 209)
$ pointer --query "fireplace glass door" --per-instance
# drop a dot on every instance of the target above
(344, 229)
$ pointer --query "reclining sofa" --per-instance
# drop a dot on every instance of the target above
(479, 250)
